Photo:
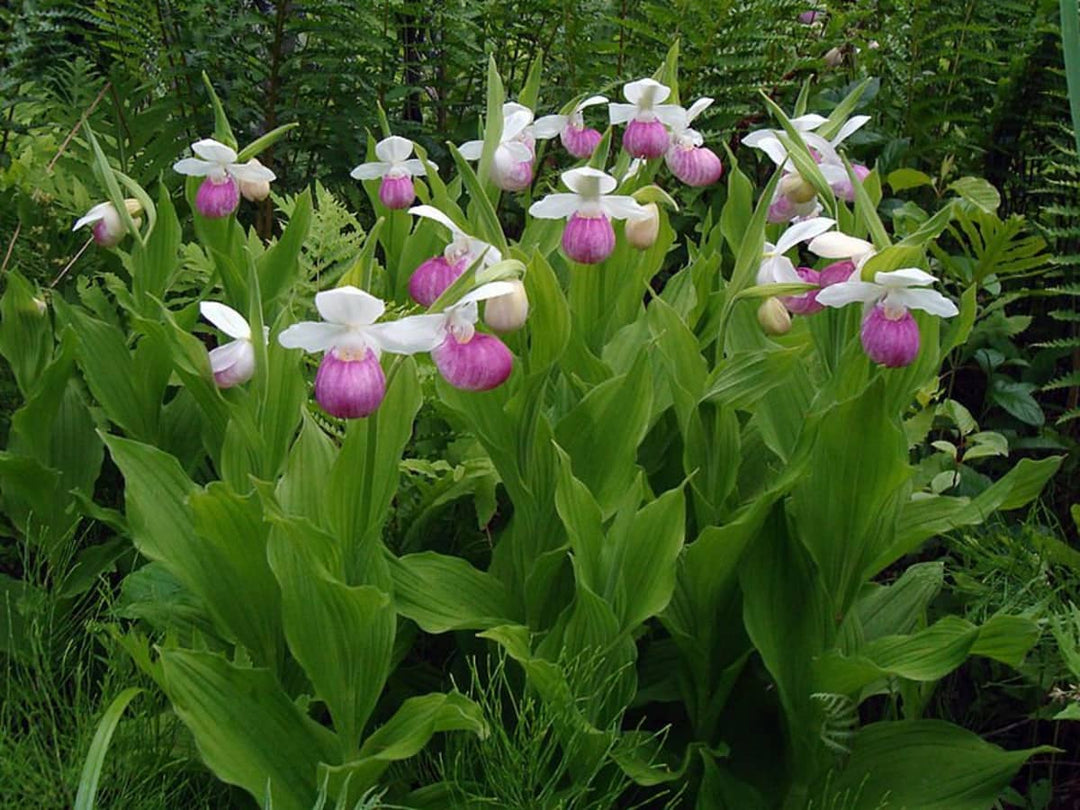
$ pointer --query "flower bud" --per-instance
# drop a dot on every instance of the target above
(478, 364)
(796, 189)
(694, 165)
(506, 313)
(773, 317)
(397, 191)
(350, 386)
(40, 307)
(217, 198)
(254, 190)
(588, 240)
(641, 231)
(891, 341)
(646, 139)
(233, 364)
(834, 57)
(580, 142)
(432, 277)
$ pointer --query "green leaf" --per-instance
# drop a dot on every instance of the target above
(977, 191)
(481, 209)
(549, 316)
(842, 111)
(644, 559)
(279, 267)
(26, 338)
(928, 764)
(903, 179)
(1070, 45)
(885, 610)
(493, 125)
(442, 593)
(1016, 398)
(264, 142)
(248, 731)
(222, 131)
(156, 263)
(530, 92)
(95, 757)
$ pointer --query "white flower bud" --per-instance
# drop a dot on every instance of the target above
(255, 190)
(796, 189)
(641, 232)
(774, 317)
(506, 313)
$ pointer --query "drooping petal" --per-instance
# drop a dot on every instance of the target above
(825, 152)
(589, 182)
(99, 211)
(698, 107)
(621, 113)
(349, 306)
(767, 142)
(805, 123)
(416, 167)
(251, 172)
(312, 336)
(193, 167)
(433, 213)
(836, 245)
(777, 270)
(672, 115)
(849, 292)
(621, 207)
(549, 126)
(591, 101)
(927, 300)
(393, 149)
(850, 126)
(802, 231)
(555, 206)
(214, 151)
(410, 335)
(513, 152)
(493, 289)
(514, 123)
(369, 171)
(646, 92)
(225, 318)
(471, 150)
(904, 277)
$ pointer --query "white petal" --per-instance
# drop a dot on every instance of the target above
(370, 171)
(349, 306)
(230, 354)
(672, 115)
(511, 108)
(471, 150)
(312, 336)
(825, 150)
(834, 173)
(225, 318)
(415, 333)
(620, 207)
(549, 126)
(588, 181)
(621, 113)
(838, 245)
(849, 292)
(193, 167)
(515, 123)
(251, 172)
(591, 101)
(99, 211)
(805, 123)
(555, 206)
(488, 254)
(928, 300)
(514, 152)
(777, 270)
(214, 151)
(904, 277)
(767, 142)
(850, 126)
(698, 107)
(393, 149)
(492, 289)
(801, 232)
(646, 92)
(431, 212)
(415, 167)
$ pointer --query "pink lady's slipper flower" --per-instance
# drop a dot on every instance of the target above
(811, 17)
(646, 118)
(890, 335)
(512, 169)
(467, 359)
(219, 193)
(108, 227)
(579, 140)
(350, 382)
(433, 276)
(232, 363)
(588, 237)
(396, 169)
(687, 158)
(776, 268)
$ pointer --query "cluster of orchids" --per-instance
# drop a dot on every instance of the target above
(889, 333)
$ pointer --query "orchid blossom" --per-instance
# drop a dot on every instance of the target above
(588, 237)
(687, 158)
(232, 363)
(219, 193)
(776, 268)
(512, 166)
(108, 226)
(646, 118)
(579, 140)
(396, 169)
(889, 334)
(433, 276)
(350, 382)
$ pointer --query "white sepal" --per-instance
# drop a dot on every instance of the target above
(225, 318)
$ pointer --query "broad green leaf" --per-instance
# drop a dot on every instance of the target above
(248, 731)
(26, 338)
(493, 125)
(903, 179)
(481, 210)
(927, 764)
(885, 610)
(301, 490)
(742, 379)
(279, 267)
(977, 191)
(644, 559)
(549, 319)
(842, 111)
(738, 209)
(156, 264)
(442, 593)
